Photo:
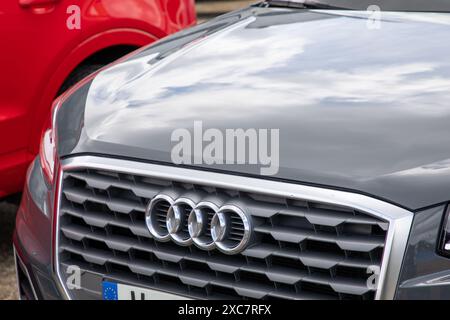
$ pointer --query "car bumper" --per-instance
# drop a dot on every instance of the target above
(32, 246)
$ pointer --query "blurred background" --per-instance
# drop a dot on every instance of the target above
(206, 9)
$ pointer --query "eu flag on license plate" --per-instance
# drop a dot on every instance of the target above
(110, 291)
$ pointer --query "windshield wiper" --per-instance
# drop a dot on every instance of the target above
(302, 4)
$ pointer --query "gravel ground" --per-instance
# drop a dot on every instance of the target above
(8, 289)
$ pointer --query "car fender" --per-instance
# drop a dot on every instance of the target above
(95, 43)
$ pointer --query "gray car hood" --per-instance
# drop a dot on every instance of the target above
(358, 107)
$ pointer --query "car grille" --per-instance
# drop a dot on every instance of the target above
(302, 249)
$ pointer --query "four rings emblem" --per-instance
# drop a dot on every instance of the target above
(203, 224)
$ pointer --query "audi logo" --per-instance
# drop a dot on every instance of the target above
(203, 224)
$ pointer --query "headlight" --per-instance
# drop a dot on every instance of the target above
(444, 243)
(47, 150)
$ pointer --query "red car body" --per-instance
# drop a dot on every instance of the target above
(43, 46)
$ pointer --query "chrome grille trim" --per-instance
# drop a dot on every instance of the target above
(399, 219)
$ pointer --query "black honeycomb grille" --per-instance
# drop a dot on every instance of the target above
(302, 249)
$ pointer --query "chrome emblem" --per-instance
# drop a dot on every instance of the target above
(173, 219)
(196, 223)
(218, 227)
(203, 224)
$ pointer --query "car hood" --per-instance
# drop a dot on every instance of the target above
(360, 104)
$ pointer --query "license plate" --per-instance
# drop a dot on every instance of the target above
(119, 291)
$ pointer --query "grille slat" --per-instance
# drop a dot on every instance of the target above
(332, 218)
(203, 278)
(100, 220)
(300, 250)
(115, 204)
(310, 259)
(104, 182)
(352, 243)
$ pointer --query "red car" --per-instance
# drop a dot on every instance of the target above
(48, 45)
